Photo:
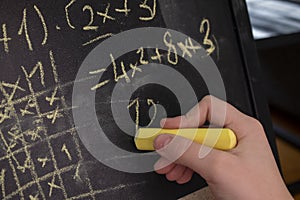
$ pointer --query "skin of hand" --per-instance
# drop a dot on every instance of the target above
(248, 171)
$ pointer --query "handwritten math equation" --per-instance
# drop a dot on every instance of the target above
(34, 110)
(109, 14)
(176, 49)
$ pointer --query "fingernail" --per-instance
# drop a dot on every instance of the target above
(162, 122)
(161, 141)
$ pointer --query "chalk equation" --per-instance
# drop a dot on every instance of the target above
(34, 109)
(148, 6)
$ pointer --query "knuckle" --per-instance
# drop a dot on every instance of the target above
(207, 98)
(257, 129)
(256, 124)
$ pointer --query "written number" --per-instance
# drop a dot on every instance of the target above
(205, 28)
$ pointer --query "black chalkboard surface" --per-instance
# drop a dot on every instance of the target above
(51, 66)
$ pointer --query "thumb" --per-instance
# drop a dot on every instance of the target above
(197, 157)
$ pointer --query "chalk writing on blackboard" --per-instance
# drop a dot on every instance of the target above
(66, 151)
(206, 39)
(186, 48)
(105, 15)
(2, 181)
(5, 38)
(152, 10)
(108, 14)
(43, 161)
(24, 27)
(136, 102)
(39, 84)
(36, 134)
(124, 10)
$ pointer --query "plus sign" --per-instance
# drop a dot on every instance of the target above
(5, 39)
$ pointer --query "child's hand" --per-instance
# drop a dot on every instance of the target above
(249, 171)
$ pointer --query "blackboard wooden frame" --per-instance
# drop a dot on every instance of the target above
(252, 67)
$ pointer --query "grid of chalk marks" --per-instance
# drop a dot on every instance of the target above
(40, 153)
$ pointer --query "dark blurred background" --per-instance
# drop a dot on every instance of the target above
(276, 30)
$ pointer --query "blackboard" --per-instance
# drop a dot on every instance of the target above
(45, 44)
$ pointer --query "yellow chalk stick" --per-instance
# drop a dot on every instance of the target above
(218, 138)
